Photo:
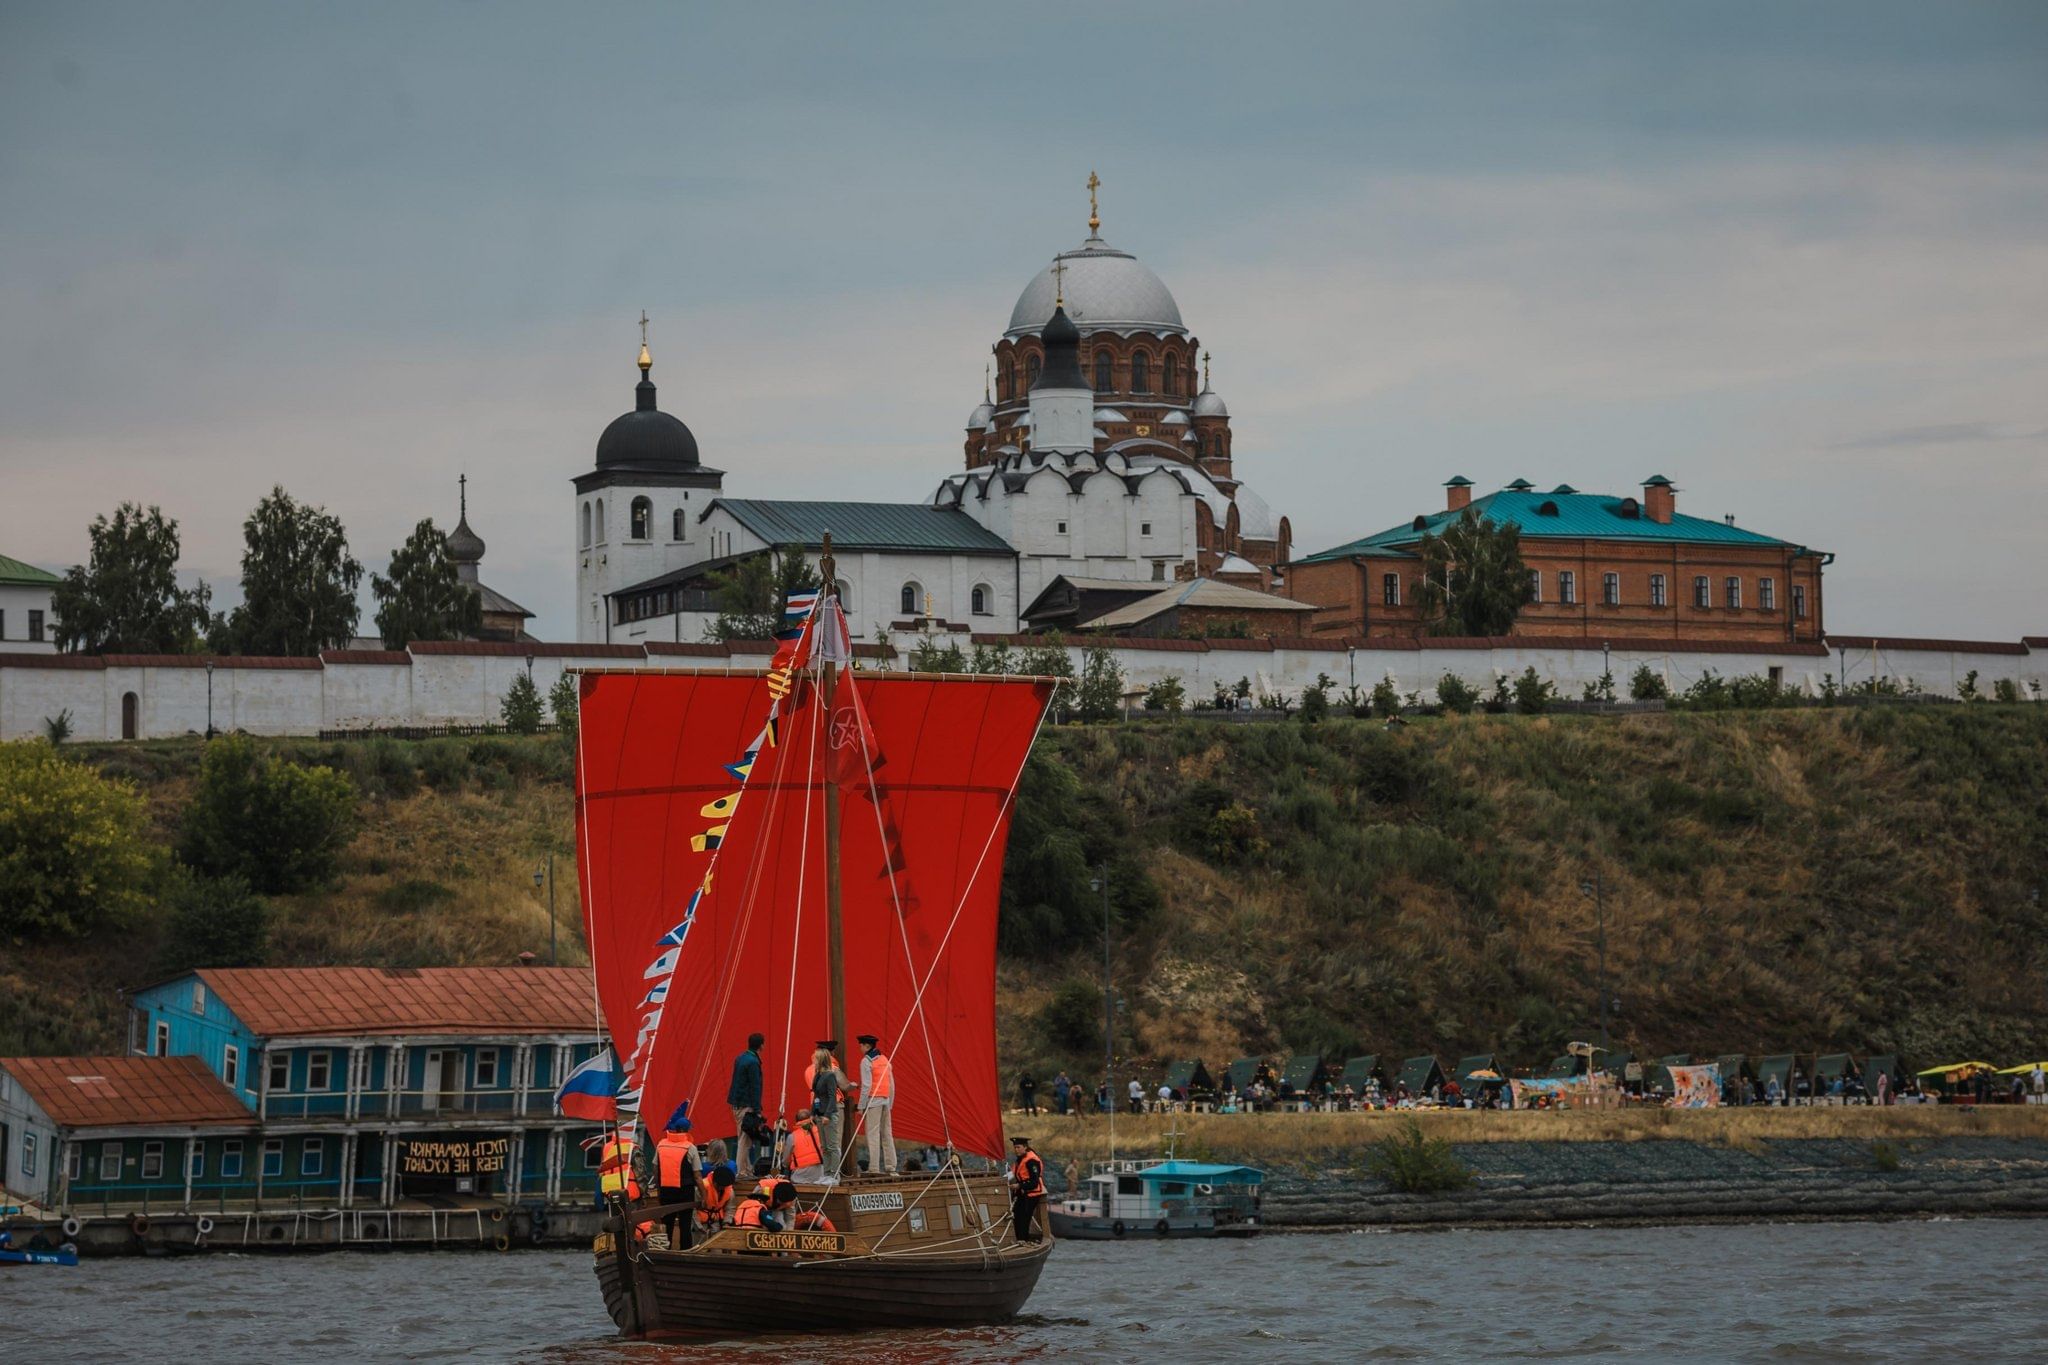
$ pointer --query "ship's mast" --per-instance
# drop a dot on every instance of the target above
(834, 933)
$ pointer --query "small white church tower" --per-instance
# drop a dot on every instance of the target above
(636, 512)
(1062, 402)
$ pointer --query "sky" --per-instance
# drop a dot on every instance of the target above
(1795, 257)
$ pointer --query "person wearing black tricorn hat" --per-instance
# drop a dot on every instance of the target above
(1027, 1191)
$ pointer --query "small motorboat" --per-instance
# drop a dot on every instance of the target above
(66, 1254)
(1158, 1199)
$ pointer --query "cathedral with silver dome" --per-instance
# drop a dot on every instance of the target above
(1125, 406)
(1097, 472)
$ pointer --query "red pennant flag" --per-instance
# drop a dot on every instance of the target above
(851, 755)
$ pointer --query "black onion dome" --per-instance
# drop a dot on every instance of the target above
(1062, 341)
(464, 545)
(646, 437)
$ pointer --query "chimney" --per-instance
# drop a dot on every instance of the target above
(1660, 500)
(1458, 493)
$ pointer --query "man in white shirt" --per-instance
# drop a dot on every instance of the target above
(1137, 1097)
(877, 1104)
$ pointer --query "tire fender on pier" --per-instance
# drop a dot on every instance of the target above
(138, 1223)
(1116, 1229)
(71, 1227)
(1162, 1227)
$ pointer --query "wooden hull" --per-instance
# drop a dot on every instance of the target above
(882, 1275)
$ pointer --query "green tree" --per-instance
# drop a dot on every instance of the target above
(298, 581)
(521, 708)
(1533, 695)
(75, 855)
(280, 826)
(1072, 1020)
(214, 922)
(1455, 695)
(751, 594)
(424, 598)
(993, 659)
(564, 702)
(1048, 658)
(1473, 579)
(1386, 699)
(931, 657)
(125, 598)
(1101, 694)
(1166, 696)
(1061, 837)
(1646, 684)
(1315, 700)
(1599, 691)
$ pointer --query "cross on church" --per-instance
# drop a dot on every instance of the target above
(1059, 292)
(643, 328)
(462, 484)
(1094, 216)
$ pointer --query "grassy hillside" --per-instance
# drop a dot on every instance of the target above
(1810, 879)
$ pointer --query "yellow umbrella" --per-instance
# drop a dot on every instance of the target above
(1954, 1068)
(2023, 1066)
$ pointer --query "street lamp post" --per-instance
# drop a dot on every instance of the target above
(1100, 882)
(1595, 888)
(549, 874)
(209, 699)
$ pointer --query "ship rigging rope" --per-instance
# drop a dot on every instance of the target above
(803, 862)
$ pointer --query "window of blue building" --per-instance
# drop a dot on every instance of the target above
(152, 1161)
(273, 1156)
(319, 1070)
(28, 1153)
(486, 1068)
(231, 1066)
(313, 1157)
(110, 1162)
(74, 1160)
(163, 1038)
(280, 1071)
(231, 1159)
(195, 1161)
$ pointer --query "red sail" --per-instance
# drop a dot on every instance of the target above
(921, 860)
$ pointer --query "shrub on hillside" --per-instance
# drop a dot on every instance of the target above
(1061, 837)
(1072, 1020)
(1315, 700)
(563, 701)
(1498, 700)
(1455, 695)
(1533, 695)
(2006, 690)
(1386, 699)
(280, 825)
(1414, 1164)
(214, 922)
(1166, 696)
(521, 708)
(1101, 694)
(1646, 684)
(74, 852)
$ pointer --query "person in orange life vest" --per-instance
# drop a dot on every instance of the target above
(767, 1208)
(715, 1189)
(877, 1105)
(807, 1151)
(828, 1100)
(676, 1165)
(1027, 1186)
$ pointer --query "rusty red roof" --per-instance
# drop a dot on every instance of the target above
(286, 1002)
(127, 1091)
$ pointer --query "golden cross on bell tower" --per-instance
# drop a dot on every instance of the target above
(1094, 216)
(646, 360)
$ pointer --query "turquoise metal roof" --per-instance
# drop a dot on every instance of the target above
(1571, 516)
(865, 525)
(16, 574)
(1202, 1170)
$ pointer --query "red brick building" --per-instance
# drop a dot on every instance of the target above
(1602, 567)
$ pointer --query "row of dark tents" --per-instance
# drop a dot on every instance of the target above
(1313, 1073)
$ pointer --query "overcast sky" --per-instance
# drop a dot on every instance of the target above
(1793, 256)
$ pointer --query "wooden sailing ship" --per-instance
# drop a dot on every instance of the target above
(837, 866)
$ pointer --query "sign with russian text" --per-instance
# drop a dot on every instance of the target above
(453, 1156)
(796, 1241)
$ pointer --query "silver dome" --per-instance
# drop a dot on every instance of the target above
(1176, 418)
(981, 416)
(1109, 415)
(1208, 404)
(1105, 289)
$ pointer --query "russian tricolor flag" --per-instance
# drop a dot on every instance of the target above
(592, 1090)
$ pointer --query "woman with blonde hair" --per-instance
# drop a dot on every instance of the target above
(828, 1085)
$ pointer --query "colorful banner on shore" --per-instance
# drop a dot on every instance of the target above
(1696, 1087)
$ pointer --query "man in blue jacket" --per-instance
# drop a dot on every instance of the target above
(744, 1095)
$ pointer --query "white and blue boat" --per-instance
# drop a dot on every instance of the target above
(1159, 1199)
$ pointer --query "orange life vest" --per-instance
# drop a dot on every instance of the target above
(881, 1082)
(748, 1214)
(811, 1073)
(710, 1206)
(615, 1168)
(672, 1157)
(811, 1220)
(1030, 1175)
(804, 1147)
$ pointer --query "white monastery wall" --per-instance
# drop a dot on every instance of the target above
(464, 684)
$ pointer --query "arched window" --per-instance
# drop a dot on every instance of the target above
(131, 715)
(1201, 446)
(677, 527)
(845, 590)
(1141, 373)
(913, 598)
(1006, 381)
(585, 542)
(979, 600)
(1169, 377)
(642, 519)
(1103, 376)
(1031, 373)
(600, 520)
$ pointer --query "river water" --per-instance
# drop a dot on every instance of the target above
(1764, 1292)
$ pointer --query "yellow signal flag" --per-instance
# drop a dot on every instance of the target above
(708, 840)
(722, 808)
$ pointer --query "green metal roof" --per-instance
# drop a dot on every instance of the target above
(1782, 1066)
(1189, 1076)
(1832, 1065)
(865, 526)
(1417, 1072)
(1360, 1070)
(16, 574)
(1575, 516)
(1243, 1070)
(1304, 1069)
(1479, 1061)
(1734, 1064)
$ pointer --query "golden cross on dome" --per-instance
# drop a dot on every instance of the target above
(1059, 291)
(1094, 215)
(643, 326)
(646, 360)
(1205, 369)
